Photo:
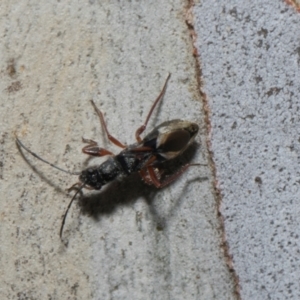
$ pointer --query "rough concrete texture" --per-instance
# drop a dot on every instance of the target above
(250, 63)
(129, 241)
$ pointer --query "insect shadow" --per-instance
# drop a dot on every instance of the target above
(126, 191)
(129, 189)
(152, 157)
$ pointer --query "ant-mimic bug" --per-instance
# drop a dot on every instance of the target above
(164, 142)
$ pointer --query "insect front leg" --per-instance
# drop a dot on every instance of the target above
(93, 149)
(160, 184)
(77, 186)
(141, 129)
(109, 136)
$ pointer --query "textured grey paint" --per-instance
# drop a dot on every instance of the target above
(250, 60)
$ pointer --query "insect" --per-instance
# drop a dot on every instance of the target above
(164, 142)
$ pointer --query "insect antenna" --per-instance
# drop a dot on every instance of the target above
(67, 210)
(20, 144)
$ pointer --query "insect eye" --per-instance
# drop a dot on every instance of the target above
(176, 141)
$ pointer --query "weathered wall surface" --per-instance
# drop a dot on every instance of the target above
(129, 241)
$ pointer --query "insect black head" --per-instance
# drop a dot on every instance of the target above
(91, 178)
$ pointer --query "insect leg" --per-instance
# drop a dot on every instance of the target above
(75, 186)
(141, 129)
(93, 149)
(145, 177)
(168, 180)
(109, 136)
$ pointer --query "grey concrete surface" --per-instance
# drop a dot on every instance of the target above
(129, 241)
(250, 63)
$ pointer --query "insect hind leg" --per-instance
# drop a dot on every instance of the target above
(141, 129)
(160, 184)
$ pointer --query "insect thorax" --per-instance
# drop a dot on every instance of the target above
(131, 161)
(114, 167)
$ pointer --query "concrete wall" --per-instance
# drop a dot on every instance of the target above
(129, 241)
